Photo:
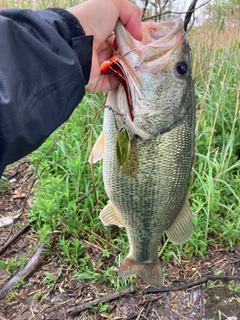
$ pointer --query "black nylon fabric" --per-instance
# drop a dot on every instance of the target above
(43, 73)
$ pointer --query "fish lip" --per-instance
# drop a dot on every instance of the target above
(121, 71)
(162, 36)
(128, 120)
(131, 88)
(161, 40)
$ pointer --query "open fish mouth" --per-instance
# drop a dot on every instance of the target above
(137, 60)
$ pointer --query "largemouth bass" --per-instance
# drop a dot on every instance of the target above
(147, 144)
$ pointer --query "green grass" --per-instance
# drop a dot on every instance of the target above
(215, 188)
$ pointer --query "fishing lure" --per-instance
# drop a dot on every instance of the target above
(115, 66)
(107, 64)
(122, 147)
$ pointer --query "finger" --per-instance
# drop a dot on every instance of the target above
(107, 49)
(130, 15)
(103, 83)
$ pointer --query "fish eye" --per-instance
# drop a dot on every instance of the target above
(182, 68)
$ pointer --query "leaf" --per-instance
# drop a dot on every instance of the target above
(122, 147)
(3, 265)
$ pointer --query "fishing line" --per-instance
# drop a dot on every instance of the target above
(124, 115)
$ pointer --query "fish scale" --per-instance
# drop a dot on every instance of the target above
(148, 192)
(155, 181)
(145, 201)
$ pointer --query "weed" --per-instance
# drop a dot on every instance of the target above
(38, 295)
(103, 308)
(49, 280)
(232, 286)
(16, 263)
(237, 299)
(10, 296)
(4, 186)
(19, 283)
(3, 265)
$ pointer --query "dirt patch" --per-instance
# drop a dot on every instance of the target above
(51, 292)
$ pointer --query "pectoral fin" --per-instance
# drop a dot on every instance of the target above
(109, 215)
(182, 227)
(97, 150)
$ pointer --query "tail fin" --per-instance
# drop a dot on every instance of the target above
(150, 272)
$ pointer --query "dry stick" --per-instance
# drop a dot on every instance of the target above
(14, 238)
(31, 266)
(175, 12)
(149, 307)
(191, 284)
(89, 304)
(89, 192)
(189, 14)
(147, 311)
(134, 316)
(9, 235)
(21, 212)
(144, 9)
(84, 306)
(16, 170)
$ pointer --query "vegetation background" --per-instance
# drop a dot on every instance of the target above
(66, 208)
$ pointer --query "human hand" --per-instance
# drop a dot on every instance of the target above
(99, 18)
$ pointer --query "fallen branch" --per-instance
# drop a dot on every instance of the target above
(84, 306)
(191, 284)
(14, 238)
(31, 266)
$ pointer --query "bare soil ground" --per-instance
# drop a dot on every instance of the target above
(33, 298)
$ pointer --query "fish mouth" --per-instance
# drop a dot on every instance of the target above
(154, 53)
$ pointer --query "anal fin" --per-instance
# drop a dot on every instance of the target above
(109, 215)
(150, 272)
(182, 227)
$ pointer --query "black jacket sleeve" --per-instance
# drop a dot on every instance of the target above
(45, 62)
